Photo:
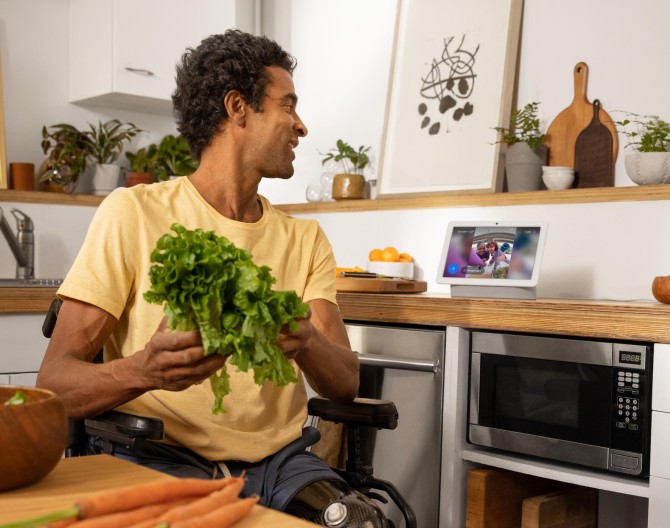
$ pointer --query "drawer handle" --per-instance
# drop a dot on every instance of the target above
(140, 71)
(418, 365)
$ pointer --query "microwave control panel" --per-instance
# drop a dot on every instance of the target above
(629, 397)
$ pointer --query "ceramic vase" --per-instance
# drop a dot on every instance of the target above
(648, 168)
(105, 178)
(348, 187)
(523, 167)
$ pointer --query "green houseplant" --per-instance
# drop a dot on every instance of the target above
(350, 184)
(526, 153)
(649, 163)
(67, 150)
(143, 164)
(105, 146)
(174, 158)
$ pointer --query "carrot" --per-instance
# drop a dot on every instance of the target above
(62, 524)
(221, 517)
(128, 518)
(125, 499)
(204, 505)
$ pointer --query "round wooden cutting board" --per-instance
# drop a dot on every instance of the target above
(564, 129)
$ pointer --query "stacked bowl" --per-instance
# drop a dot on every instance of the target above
(558, 177)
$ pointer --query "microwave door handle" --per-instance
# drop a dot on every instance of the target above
(416, 365)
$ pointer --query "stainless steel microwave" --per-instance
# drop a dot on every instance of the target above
(578, 401)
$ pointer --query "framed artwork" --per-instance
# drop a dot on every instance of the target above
(452, 80)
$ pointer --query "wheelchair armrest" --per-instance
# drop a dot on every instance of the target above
(126, 429)
(381, 414)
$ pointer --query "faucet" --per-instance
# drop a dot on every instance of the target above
(22, 245)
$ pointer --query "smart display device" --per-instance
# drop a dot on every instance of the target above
(493, 259)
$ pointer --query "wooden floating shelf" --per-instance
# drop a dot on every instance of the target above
(568, 196)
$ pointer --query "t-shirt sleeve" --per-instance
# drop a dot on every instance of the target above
(321, 278)
(105, 269)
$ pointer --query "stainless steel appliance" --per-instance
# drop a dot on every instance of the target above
(404, 365)
(579, 401)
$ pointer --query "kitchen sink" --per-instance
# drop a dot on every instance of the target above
(30, 283)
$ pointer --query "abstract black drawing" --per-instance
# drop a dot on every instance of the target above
(449, 81)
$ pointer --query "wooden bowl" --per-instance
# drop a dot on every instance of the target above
(661, 289)
(33, 436)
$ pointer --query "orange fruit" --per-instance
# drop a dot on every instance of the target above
(390, 254)
(404, 257)
(375, 255)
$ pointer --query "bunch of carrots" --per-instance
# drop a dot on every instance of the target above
(184, 503)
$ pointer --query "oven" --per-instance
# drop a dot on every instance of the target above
(581, 401)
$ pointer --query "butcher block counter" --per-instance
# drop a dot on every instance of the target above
(74, 478)
(637, 321)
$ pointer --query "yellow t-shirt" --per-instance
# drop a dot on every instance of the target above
(112, 272)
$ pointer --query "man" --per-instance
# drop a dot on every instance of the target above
(236, 108)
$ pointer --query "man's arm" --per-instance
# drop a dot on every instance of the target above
(321, 349)
(169, 361)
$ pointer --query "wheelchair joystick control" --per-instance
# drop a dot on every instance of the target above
(335, 514)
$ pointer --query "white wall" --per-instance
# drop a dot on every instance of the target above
(34, 50)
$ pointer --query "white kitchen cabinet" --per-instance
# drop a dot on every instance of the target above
(26, 379)
(660, 399)
(123, 52)
(659, 503)
(4, 379)
(660, 436)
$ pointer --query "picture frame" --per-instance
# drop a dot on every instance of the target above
(431, 118)
(4, 176)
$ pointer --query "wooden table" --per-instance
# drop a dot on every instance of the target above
(74, 478)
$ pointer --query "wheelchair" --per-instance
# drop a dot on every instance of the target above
(328, 503)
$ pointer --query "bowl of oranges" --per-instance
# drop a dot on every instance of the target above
(390, 263)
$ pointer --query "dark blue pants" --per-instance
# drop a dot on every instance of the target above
(276, 479)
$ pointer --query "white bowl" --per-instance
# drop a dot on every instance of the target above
(401, 270)
(558, 180)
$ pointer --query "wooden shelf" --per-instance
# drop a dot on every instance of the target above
(636, 321)
(26, 300)
(580, 476)
(606, 194)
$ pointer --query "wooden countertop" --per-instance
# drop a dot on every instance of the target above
(638, 321)
(74, 478)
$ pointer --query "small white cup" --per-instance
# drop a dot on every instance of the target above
(558, 180)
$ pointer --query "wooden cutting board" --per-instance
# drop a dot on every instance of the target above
(593, 154)
(562, 134)
(353, 284)
(575, 507)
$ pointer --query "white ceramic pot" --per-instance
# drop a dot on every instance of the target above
(523, 167)
(648, 168)
(105, 178)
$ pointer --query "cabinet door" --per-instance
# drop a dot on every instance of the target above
(659, 502)
(152, 35)
(27, 379)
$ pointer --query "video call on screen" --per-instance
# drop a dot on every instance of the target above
(492, 252)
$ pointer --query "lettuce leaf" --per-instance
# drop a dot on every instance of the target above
(206, 283)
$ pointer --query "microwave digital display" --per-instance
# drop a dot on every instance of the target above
(630, 358)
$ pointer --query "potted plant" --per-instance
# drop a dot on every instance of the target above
(350, 184)
(650, 163)
(67, 148)
(174, 159)
(525, 153)
(105, 146)
(142, 165)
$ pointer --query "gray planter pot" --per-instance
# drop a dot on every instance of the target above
(648, 168)
(524, 167)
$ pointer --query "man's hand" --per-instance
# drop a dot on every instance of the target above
(292, 343)
(175, 361)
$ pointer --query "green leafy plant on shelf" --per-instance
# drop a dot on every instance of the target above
(144, 160)
(353, 161)
(652, 134)
(524, 127)
(174, 158)
(107, 139)
(68, 151)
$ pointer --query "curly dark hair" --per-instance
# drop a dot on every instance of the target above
(221, 63)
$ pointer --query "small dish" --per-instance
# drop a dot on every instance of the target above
(400, 270)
